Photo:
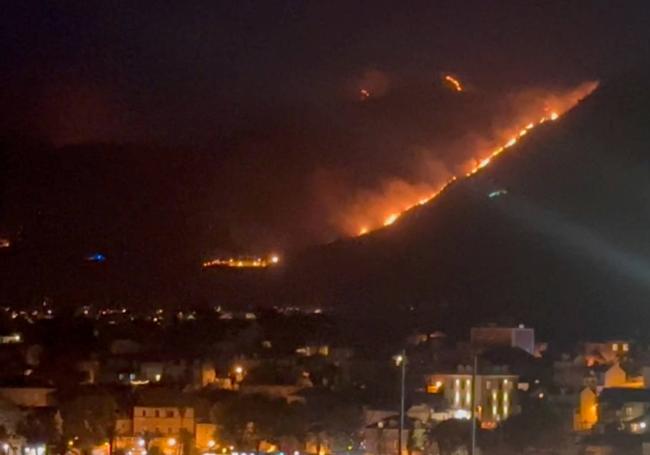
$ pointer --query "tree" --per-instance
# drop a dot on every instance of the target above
(539, 426)
(90, 417)
(332, 417)
(38, 428)
(452, 435)
(248, 420)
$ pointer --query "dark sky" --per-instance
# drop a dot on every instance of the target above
(242, 120)
(186, 72)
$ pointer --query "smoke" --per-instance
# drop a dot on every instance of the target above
(464, 129)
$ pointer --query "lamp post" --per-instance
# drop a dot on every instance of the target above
(473, 406)
(400, 360)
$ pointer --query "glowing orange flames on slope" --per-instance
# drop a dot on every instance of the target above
(455, 83)
(560, 107)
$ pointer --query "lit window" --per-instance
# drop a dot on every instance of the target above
(457, 398)
(615, 347)
(488, 384)
(457, 383)
(626, 347)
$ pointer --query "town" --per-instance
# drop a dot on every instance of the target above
(300, 381)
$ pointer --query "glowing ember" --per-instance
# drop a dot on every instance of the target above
(484, 162)
(455, 83)
(364, 94)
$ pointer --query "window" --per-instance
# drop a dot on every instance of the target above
(157, 413)
(626, 347)
(488, 384)
(170, 413)
(144, 413)
(615, 347)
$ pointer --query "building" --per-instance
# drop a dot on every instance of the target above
(605, 352)
(28, 393)
(587, 415)
(496, 394)
(483, 338)
(382, 437)
(163, 427)
(625, 409)
(163, 420)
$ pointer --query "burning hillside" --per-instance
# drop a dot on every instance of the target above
(371, 210)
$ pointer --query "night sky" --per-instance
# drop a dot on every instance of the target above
(180, 130)
(190, 72)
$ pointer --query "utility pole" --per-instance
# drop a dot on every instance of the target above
(473, 405)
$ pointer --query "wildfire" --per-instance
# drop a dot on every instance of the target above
(487, 158)
(455, 83)
(390, 219)
(243, 262)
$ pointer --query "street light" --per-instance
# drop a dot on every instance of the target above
(473, 404)
(400, 361)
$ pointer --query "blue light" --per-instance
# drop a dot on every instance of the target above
(96, 257)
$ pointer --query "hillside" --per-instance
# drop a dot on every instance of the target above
(566, 246)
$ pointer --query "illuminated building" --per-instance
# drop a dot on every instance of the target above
(167, 423)
(496, 395)
(624, 408)
(587, 415)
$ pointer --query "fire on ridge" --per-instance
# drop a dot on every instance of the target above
(243, 262)
(455, 83)
(481, 163)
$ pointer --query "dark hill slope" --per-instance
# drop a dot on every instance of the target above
(566, 249)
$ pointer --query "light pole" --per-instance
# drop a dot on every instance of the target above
(473, 405)
(401, 362)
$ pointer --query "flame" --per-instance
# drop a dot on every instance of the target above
(488, 157)
(455, 83)
(243, 262)
(390, 219)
